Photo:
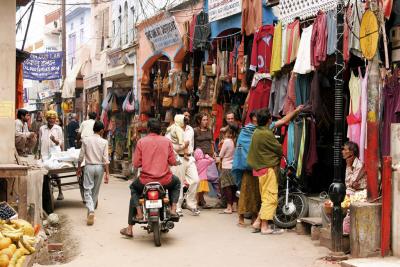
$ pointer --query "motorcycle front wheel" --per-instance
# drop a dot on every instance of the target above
(157, 234)
(286, 216)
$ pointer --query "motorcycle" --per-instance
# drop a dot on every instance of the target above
(156, 211)
(292, 202)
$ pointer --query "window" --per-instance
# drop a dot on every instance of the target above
(113, 28)
(126, 31)
(71, 49)
(81, 36)
(82, 20)
(72, 26)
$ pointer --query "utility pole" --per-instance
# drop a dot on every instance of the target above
(337, 190)
(63, 40)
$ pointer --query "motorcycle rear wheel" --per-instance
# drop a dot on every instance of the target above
(286, 217)
(156, 234)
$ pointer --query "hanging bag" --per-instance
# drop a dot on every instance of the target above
(105, 104)
(130, 104)
(114, 105)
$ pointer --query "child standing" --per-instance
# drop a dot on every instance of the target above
(202, 164)
(227, 180)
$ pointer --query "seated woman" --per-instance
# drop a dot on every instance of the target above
(356, 177)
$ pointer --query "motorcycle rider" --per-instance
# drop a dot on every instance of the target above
(153, 154)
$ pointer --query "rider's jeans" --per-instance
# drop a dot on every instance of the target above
(93, 176)
(187, 171)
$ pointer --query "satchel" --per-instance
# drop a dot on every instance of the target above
(208, 69)
(130, 102)
(114, 105)
(165, 84)
(178, 101)
(212, 173)
(167, 102)
(106, 102)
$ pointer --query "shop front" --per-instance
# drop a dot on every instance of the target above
(119, 113)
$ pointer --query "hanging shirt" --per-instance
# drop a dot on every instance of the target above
(292, 41)
(290, 101)
(364, 106)
(278, 94)
(284, 46)
(346, 34)
(354, 40)
(318, 40)
(251, 16)
(303, 88)
(276, 59)
(303, 61)
(332, 32)
(354, 117)
(391, 110)
(262, 49)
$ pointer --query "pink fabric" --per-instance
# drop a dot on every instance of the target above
(354, 121)
(261, 172)
(290, 100)
(202, 163)
(364, 104)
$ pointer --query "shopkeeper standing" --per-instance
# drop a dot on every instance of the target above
(51, 140)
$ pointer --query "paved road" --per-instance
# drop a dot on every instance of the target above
(212, 239)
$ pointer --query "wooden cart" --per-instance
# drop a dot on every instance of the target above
(50, 181)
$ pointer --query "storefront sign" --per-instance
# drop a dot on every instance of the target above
(91, 81)
(219, 9)
(43, 66)
(163, 34)
(45, 94)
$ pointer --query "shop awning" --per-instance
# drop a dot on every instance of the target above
(68, 88)
(119, 73)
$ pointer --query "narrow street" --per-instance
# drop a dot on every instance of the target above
(212, 239)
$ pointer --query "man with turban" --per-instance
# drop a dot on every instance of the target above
(50, 137)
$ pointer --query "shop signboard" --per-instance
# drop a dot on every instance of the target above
(219, 9)
(163, 34)
(92, 81)
(43, 66)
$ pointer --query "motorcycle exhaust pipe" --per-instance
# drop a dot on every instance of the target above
(170, 225)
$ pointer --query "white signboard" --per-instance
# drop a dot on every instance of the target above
(219, 9)
(92, 81)
(163, 34)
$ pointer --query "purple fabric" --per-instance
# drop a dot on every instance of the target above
(391, 111)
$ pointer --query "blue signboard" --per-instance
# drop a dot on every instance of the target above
(43, 66)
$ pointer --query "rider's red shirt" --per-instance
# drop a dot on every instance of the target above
(154, 154)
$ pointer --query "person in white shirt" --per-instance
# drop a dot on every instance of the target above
(25, 140)
(51, 140)
(94, 151)
(187, 171)
(86, 128)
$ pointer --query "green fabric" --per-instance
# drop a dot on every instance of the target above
(301, 152)
(265, 150)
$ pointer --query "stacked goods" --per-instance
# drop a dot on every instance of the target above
(17, 240)
(6, 212)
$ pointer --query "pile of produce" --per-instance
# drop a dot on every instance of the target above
(17, 240)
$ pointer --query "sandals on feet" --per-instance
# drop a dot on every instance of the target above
(226, 212)
(124, 232)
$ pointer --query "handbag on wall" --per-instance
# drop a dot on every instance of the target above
(178, 101)
(114, 105)
(167, 102)
(165, 84)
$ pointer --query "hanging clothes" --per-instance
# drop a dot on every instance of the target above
(301, 150)
(303, 88)
(354, 117)
(364, 106)
(251, 16)
(312, 156)
(290, 101)
(355, 21)
(262, 49)
(259, 97)
(284, 47)
(292, 41)
(331, 26)
(391, 110)
(276, 58)
(346, 34)
(303, 61)
(319, 40)
(290, 143)
(315, 96)
(202, 32)
(278, 94)
(191, 31)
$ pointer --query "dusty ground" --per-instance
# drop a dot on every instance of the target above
(212, 239)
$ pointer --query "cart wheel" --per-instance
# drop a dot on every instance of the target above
(47, 195)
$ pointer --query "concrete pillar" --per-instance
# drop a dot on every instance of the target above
(395, 153)
(7, 81)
